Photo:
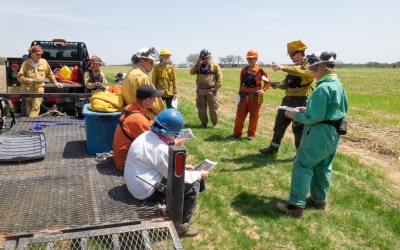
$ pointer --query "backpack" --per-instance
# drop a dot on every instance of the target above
(106, 102)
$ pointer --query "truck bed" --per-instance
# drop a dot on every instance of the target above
(67, 189)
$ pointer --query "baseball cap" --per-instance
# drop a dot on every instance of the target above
(146, 91)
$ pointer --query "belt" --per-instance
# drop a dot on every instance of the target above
(250, 93)
(293, 97)
(208, 88)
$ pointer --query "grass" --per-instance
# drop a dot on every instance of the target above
(237, 210)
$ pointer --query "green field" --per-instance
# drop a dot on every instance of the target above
(237, 210)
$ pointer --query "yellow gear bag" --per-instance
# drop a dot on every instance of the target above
(106, 102)
(66, 73)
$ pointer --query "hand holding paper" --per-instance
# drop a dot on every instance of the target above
(264, 79)
(290, 109)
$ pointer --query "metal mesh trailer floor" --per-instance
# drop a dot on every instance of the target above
(66, 189)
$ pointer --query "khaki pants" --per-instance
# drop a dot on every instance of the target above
(207, 97)
(33, 104)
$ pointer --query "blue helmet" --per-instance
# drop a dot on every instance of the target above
(168, 122)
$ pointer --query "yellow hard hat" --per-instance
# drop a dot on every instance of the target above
(165, 52)
(296, 46)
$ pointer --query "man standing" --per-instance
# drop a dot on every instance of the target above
(164, 78)
(251, 96)
(209, 79)
(297, 86)
(143, 63)
(32, 70)
(132, 123)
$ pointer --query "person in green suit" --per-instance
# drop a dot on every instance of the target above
(326, 109)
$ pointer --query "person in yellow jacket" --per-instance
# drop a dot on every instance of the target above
(208, 82)
(31, 71)
(297, 86)
(143, 63)
(164, 78)
(94, 79)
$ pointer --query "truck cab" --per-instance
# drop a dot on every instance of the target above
(57, 52)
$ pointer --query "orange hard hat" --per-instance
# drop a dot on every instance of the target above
(252, 54)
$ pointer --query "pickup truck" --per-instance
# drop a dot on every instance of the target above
(58, 53)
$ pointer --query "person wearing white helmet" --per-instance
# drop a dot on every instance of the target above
(164, 77)
(324, 123)
(143, 63)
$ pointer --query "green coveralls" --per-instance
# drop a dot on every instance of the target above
(312, 168)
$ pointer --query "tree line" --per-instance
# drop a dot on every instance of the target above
(235, 60)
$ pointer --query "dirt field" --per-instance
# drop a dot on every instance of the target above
(376, 149)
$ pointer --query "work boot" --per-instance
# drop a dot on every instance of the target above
(187, 230)
(271, 150)
(234, 136)
(215, 126)
(311, 202)
(290, 209)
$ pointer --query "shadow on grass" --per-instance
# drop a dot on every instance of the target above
(253, 161)
(255, 206)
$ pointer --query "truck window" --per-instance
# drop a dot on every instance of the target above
(69, 51)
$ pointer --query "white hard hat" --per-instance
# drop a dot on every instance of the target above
(148, 53)
(321, 57)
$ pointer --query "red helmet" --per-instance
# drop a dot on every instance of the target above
(35, 49)
(95, 60)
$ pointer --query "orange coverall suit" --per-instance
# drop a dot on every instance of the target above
(249, 102)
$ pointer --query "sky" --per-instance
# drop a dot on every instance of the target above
(358, 31)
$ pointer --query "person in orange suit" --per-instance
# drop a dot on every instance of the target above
(251, 96)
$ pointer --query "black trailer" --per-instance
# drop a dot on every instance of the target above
(68, 200)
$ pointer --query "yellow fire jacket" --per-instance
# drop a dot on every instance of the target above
(131, 83)
(164, 79)
(305, 84)
(207, 81)
(28, 71)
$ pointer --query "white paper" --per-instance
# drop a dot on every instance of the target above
(265, 79)
(174, 103)
(205, 165)
(290, 109)
(41, 80)
(187, 134)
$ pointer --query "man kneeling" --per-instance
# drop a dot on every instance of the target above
(148, 158)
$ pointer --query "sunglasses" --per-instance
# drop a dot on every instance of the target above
(293, 54)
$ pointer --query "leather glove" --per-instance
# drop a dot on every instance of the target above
(59, 85)
(30, 80)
